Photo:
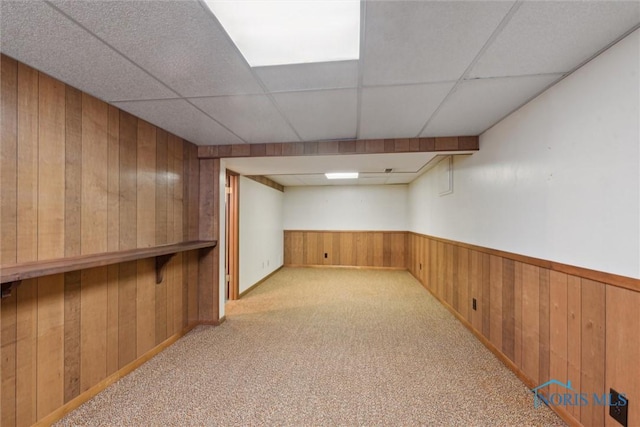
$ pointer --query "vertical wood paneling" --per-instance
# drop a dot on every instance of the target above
(145, 320)
(508, 308)
(50, 360)
(398, 248)
(347, 249)
(113, 185)
(592, 362)
(162, 182)
(178, 187)
(51, 160)
(558, 324)
(73, 173)
(517, 313)
(377, 245)
(93, 327)
(574, 345)
(364, 249)
(495, 308)
(128, 180)
(113, 320)
(72, 345)
(8, 160)
(192, 306)
(476, 289)
(146, 185)
(8, 361)
(464, 302)
(26, 352)
(544, 306)
(623, 348)
(450, 259)
(71, 176)
(486, 294)
(127, 295)
(531, 321)
(327, 248)
(27, 164)
(95, 150)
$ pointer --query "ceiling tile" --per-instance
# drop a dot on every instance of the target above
(182, 119)
(37, 35)
(321, 75)
(328, 114)
(177, 41)
(252, 117)
(467, 112)
(555, 37)
(432, 41)
(399, 111)
(286, 180)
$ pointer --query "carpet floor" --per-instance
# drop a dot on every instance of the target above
(315, 347)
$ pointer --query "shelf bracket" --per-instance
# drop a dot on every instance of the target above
(161, 263)
(8, 287)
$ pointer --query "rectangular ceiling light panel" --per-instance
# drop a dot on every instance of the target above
(341, 175)
(278, 32)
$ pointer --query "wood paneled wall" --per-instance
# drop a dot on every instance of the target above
(345, 248)
(545, 323)
(79, 176)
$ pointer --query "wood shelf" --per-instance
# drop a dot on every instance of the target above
(11, 276)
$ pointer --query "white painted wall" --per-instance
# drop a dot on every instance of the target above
(558, 179)
(261, 232)
(353, 207)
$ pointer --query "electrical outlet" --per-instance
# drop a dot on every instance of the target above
(326, 255)
(475, 305)
(619, 408)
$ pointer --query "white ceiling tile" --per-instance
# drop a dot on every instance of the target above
(402, 179)
(177, 41)
(286, 180)
(372, 181)
(327, 114)
(399, 111)
(320, 75)
(252, 117)
(182, 119)
(478, 104)
(555, 36)
(37, 35)
(431, 41)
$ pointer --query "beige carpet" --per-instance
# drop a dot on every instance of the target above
(323, 347)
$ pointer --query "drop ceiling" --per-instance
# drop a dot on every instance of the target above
(302, 171)
(426, 68)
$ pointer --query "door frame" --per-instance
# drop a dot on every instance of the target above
(232, 235)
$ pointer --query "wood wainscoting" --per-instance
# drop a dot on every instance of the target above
(82, 177)
(542, 321)
(379, 249)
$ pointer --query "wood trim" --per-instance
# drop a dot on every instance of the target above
(259, 282)
(351, 146)
(599, 276)
(121, 373)
(35, 269)
(568, 418)
(266, 181)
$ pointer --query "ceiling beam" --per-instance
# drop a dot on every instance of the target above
(354, 146)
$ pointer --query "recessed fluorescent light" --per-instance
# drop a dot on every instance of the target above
(341, 175)
(276, 32)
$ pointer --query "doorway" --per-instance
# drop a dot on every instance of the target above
(232, 222)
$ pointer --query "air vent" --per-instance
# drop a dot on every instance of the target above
(388, 170)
